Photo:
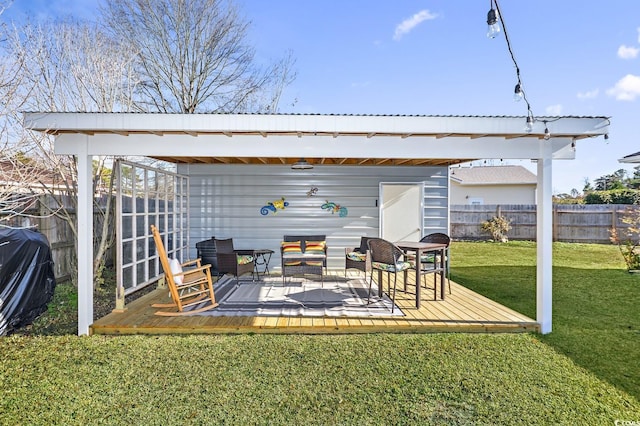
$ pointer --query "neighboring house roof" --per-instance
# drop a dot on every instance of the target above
(28, 177)
(493, 175)
(631, 158)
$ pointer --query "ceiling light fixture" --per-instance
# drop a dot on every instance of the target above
(302, 164)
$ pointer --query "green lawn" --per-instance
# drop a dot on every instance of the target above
(372, 379)
(585, 372)
(596, 303)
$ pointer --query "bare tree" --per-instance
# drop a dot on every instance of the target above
(193, 56)
(20, 193)
(147, 55)
(17, 199)
(68, 66)
(73, 66)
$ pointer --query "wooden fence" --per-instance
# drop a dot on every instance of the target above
(583, 223)
(58, 233)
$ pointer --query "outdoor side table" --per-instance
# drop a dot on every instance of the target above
(261, 259)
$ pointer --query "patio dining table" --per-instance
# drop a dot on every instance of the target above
(421, 249)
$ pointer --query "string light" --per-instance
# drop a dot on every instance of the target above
(529, 126)
(519, 93)
(492, 22)
(547, 134)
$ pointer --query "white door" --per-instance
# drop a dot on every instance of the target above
(401, 211)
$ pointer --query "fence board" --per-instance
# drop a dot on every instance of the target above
(584, 223)
(59, 234)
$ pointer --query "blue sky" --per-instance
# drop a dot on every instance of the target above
(433, 57)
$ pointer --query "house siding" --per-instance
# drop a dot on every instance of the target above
(225, 202)
(494, 194)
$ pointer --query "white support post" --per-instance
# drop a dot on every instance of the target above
(85, 238)
(544, 242)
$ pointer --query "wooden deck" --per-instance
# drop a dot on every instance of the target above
(461, 311)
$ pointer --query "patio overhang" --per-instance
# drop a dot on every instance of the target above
(322, 139)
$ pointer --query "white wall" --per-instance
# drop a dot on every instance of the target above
(493, 194)
(225, 202)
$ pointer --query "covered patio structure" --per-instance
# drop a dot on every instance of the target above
(323, 140)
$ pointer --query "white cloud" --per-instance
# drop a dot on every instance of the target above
(590, 94)
(410, 23)
(628, 52)
(554, 109)
(626, 89)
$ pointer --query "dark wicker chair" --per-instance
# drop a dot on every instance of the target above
(206, 251)
(353, 257)
(227, 259)
(386, 257)
(429, 262)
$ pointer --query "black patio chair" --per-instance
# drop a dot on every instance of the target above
(389, 258)
(358, 257)
(430, 261)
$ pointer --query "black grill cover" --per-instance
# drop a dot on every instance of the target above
(27, 279)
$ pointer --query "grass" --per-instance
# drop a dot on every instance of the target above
(595, 301)
(585, 372)
(265, 379)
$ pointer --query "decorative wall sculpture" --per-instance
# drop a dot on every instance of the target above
(274, 206)
(333, 208)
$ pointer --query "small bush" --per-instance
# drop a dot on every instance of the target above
(614, 196)
(630, 245)
(498, 227)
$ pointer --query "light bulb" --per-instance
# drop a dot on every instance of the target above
(547, 134)
(529, 127)
(518, 94)
(492, 21)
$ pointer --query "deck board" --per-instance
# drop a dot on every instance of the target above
(462, 311)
